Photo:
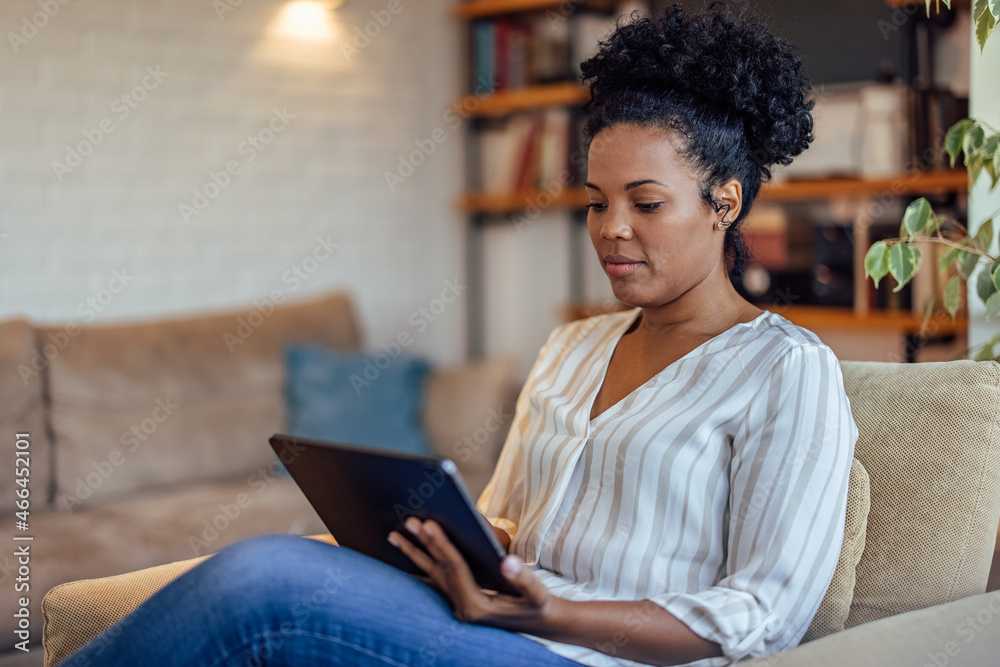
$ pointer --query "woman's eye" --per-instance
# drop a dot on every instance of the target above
(597, 206)
(648, 206)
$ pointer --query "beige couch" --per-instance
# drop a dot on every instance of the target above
(923, 511)
(148, 442)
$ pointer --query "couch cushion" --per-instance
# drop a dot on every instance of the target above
(930, 442)
(151, 528)
(22, 411)
(467, 414)
(372, 400)
(72, 619)
(68, 627)
(134, 406)
(836, 604)
(945, 635)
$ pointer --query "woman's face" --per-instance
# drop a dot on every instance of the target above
(655, 236)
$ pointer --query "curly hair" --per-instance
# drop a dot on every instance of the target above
(733, 90)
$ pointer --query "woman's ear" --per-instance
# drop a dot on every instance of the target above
(729, 201)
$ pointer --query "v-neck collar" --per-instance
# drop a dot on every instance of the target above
(611, 345)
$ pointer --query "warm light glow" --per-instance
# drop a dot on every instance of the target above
(309, 20)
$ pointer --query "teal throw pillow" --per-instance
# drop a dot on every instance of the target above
(372, 400)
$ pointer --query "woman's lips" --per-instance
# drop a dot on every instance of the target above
(619, 266)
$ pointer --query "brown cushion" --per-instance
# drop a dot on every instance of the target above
(71, 617)
(21, 411)
(467, 413)
(186, 399)
(930, 442)
(836, 604)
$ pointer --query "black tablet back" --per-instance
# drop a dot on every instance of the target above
(363, 494)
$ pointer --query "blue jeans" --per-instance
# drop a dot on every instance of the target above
(283, 600)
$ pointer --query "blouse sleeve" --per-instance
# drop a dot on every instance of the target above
(791, 461)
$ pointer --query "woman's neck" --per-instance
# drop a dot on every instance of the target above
(709, 308)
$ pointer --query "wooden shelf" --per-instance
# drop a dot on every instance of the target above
(512, 202)
(920, 182)
(917, 182)
(822, 317)
(474, 9)
(826, 317)
(502, 102)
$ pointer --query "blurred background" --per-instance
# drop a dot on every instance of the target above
(137, 138)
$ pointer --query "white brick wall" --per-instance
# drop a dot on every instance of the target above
(321, 176)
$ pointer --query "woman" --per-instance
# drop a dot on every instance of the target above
(674, 484)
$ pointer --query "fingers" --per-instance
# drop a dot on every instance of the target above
(412, 551)
(524, 580)
(446, 555)
(441, 560)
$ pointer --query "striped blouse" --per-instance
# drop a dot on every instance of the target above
(717, 489)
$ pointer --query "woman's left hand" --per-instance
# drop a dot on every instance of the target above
(448, 570)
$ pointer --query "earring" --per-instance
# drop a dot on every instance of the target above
(722, 224)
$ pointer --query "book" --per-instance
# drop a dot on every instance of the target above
(483, 47)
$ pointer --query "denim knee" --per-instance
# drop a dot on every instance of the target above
(259, 567)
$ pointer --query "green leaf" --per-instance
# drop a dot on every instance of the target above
(994, 8)
(877, 262)
(952, 295)
(984, 235)
(992, 306)
(986, 352)
(994, 273)
(988, 154)
(915, 217)
(975, 167)
(928, 311)
(990, 145)
(985, 20)
(974, 139)
(903, 263)
(985, 286)
(968, 262)
(947, 258)
(953, 140)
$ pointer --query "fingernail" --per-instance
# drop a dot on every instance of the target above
(412, 525)
(393, 540)
(512, 565)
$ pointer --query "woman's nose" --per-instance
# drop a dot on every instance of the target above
(616, 226)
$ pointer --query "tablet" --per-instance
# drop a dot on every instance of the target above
(363, 494)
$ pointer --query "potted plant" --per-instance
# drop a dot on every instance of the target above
(979, 143)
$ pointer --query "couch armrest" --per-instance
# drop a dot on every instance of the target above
(962, 633)
(75, 612)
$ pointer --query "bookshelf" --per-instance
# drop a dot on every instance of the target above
(859, 317)
(914, 183)
(524, 116)
(483, 203)
(472, 9)
(531, 97)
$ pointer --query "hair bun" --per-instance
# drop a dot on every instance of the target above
(722, 62)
